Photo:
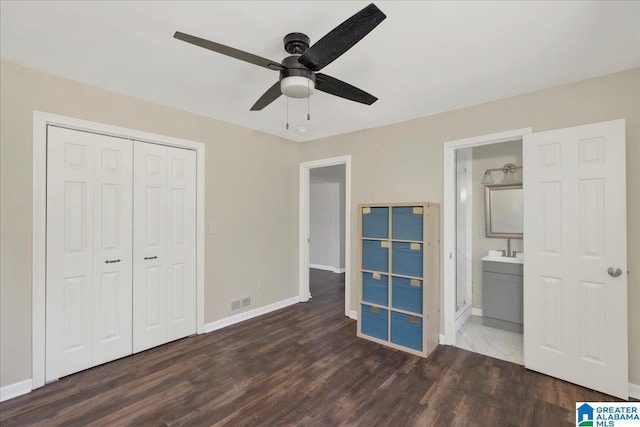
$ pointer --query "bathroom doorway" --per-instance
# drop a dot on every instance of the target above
(494, 161)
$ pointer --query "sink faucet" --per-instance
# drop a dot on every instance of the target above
(509, 254)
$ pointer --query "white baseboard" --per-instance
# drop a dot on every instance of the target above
(441, 338)
(14, 390)
(476, 311)
(634, 390)
(327, 268)
(353, 314)
(241, 317)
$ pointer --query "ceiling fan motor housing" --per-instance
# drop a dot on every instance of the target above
(296, 81)
(296, 43)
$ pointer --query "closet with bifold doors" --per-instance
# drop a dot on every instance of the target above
(121, 248)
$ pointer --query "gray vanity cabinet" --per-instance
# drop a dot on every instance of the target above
(502, 295)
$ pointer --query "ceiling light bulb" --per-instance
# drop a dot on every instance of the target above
(297, 86)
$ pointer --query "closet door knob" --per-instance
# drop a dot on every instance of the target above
(150, 257)
(111, 261)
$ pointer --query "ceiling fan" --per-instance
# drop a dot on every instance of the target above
(299, 72)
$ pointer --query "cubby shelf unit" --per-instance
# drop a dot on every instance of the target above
(399, 275)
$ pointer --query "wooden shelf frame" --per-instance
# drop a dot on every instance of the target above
(430, 279)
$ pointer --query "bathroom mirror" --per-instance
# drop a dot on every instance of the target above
(503, 211)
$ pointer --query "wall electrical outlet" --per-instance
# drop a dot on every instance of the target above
(259, 285)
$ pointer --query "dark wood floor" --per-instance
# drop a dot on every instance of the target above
(303, 366)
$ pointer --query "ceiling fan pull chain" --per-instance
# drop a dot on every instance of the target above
(287, 113)
(308, 102)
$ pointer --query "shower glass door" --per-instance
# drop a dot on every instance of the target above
(463, 230)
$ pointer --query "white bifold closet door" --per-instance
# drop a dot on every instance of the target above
(89, 250)
(164, 292)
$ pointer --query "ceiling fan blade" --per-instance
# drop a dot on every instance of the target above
(229, 51)
(342, 38)
(268, 97)
(344, 90)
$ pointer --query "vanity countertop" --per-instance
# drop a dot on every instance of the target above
(496, 256)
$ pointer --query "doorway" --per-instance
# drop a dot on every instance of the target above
(458, 297)
(330, 182)
(574, 220)
(489, 261)
(326, 218)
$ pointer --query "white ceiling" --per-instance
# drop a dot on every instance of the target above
(425, 58)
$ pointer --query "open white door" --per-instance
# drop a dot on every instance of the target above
(575, 271)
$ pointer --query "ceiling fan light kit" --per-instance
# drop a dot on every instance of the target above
(299, 76)
(295, 80)
(297, 87)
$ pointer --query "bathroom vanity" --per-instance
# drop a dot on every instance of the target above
(502, 291)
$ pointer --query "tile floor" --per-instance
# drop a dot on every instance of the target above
(504, 345)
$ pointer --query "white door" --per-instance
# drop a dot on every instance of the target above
(181, 245)
(575, 271)
(164, 245)
(113, 248)
(88, 223)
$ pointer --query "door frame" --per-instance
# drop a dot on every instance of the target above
(303, 234)
(449, 218)
(39, 225)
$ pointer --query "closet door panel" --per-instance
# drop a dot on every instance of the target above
(181, 252)
(150, 246)
(112, 248)
(69, 252)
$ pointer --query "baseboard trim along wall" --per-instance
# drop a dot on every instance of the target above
(353, 314)
(634, 390)
(241, 317)
(14, 390)
(327, 268)
(476, 311)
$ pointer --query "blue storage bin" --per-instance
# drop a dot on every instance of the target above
(375, 224)
(406, 294)
(374, 322)
(375, 256)
(375, 290)
(406, 330)
(407, 223)
(406, 260)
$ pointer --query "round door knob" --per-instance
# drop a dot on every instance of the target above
(614, 271)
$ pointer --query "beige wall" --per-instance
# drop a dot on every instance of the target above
(251, 182)
(251, 191)
(483, 158)
(403, 162)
